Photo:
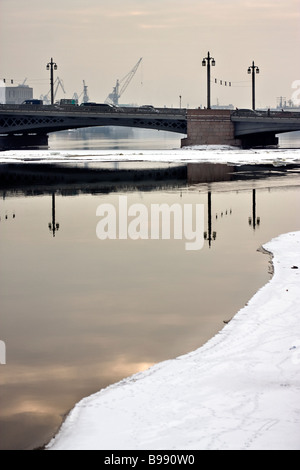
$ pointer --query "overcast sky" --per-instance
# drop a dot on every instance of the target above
(100, 41)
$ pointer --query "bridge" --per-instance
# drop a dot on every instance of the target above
(242, 128)
(27, 125)
(24, 126)
(261, 128)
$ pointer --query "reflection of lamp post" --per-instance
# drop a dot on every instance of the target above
(253, 221)
(209, 235)
(53, 227)
(52, 66)
(253, 69)
(207, 60)
(7, 217)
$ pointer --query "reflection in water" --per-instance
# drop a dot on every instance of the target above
(210, 172)
(104, 177)
(53, 226)
(254, 221)
(209, 235)
(121, 138)
(78, 314)
(114, 138)
(91, 178)
(289, 140)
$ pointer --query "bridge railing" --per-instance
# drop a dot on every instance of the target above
(248, 113)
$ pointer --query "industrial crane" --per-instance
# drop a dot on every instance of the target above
(121, 85)
(85, 98)
(58, 82)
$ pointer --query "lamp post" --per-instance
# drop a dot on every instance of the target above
(52, 66)
(209, 61)
(253, 69)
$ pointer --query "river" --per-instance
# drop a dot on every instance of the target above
(79, 313)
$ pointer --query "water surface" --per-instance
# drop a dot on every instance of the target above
(78, 313)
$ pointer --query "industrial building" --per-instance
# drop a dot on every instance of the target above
(14, 94)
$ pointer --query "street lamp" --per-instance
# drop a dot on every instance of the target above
(52, 66)
(253, 69)
(209, 61)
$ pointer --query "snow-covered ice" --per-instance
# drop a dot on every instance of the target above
(200, 154)
(241, 390)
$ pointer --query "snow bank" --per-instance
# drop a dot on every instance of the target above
(241, 390)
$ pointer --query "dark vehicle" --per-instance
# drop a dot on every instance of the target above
(98, 105)
(68, 102)
(33, 102)
(247, 111)
(149, 107)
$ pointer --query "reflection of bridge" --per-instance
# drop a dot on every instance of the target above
(26, 126)
(105, 177)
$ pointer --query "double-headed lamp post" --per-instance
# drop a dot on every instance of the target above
(52, 66)
(253, 69)
(209, 61)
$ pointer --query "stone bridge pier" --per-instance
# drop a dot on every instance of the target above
(210, 127)
(239, 128)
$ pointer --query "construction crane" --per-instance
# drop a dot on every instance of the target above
(58, 82)
(121, 85)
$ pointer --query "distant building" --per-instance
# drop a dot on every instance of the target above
(2, 92)
(15, 94)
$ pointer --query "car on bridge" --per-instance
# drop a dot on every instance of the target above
(246, 112)
(33, 102)
(99, 105)
(149, 107)
(68, 102)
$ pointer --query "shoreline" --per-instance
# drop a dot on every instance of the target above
(238, 391)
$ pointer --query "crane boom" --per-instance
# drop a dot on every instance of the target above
(58, 82)
(121, 85)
